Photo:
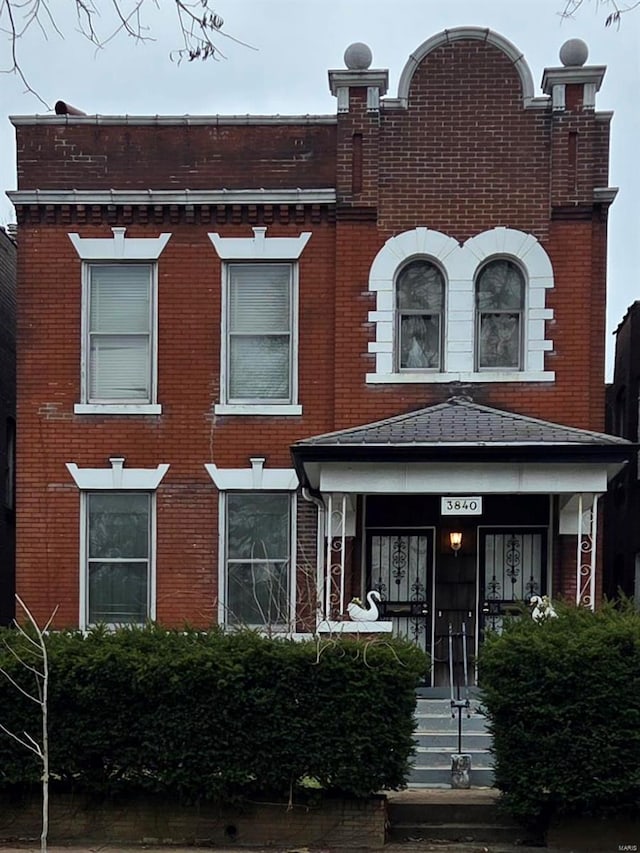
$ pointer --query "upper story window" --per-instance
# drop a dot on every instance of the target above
(452, 312)
(419, 316)
(259, 323)
(119, 322)
(500, 299)
(259, 340)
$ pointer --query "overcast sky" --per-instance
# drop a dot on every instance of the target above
(296, 42)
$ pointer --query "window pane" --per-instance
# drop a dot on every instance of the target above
(258, 593)
(420, 341)
(117, 592)
(118, 525)
(499, 340)
(258, 526)
(120, 299)
(259, 367)
(119, 368)
(259, 298)
(500, 287)
(420, 285)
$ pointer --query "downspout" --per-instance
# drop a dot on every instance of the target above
(313, 496)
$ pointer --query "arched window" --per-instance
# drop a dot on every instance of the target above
(500, 303)
(419, 316)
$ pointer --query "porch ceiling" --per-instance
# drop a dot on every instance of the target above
(504, 450)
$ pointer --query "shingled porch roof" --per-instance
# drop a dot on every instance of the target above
(460, 431)
(457, 422)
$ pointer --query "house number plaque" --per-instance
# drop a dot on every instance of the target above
(461, 505)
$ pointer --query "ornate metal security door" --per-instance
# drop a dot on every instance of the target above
(514, 564)
(400, 569)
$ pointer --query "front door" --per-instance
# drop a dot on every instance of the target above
(454, 620)
(400, 569)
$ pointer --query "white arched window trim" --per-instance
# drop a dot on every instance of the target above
(460, 264)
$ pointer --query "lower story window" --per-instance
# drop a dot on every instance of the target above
(118, 557)
(258, 559)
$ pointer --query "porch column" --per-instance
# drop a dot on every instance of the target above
(340, 526)
(587, 540)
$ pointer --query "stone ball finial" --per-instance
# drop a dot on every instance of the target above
(358, 56)
(574, 52)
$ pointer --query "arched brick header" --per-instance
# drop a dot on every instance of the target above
(457, 34)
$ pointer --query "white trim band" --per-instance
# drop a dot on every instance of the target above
(178, 197)
(185, 120)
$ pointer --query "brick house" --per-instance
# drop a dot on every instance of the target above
(271, 363)
(7, 423)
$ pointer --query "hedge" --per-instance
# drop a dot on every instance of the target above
(563, 700)
(214, 716)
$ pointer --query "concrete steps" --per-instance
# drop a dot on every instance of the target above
(437, 739)
(464, 817)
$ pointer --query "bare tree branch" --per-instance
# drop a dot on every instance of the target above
(42, 684)
(615, 9)
(199, 27)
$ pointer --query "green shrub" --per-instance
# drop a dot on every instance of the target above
(205, 716)
(563, 700)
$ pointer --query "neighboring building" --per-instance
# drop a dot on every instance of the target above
(407, 298)
(622, 532)
(7, 424)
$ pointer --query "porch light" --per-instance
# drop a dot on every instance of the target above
(455, 540)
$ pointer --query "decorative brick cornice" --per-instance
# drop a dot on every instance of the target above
(173, 214)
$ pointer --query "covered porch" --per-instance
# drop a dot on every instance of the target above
(455, 515)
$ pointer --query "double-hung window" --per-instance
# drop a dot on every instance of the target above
(500, 294)
(118, 557)
(419, 316)
(259, 333)
(258, 559)
(119, 319)
(119, 333)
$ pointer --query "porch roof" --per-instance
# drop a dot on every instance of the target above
(458, 421)
(459, 430)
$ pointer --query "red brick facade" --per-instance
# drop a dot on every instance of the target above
(465, 155)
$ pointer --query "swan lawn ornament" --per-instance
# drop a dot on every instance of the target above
(542, 608)
(358, 613)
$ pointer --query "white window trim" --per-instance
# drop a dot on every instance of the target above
(259, 247)
(249, 250)
(255, 478)
(282, 410)
(460, 265)
(116, 478)
(117, 409)
(115, 249)
(119, 247)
